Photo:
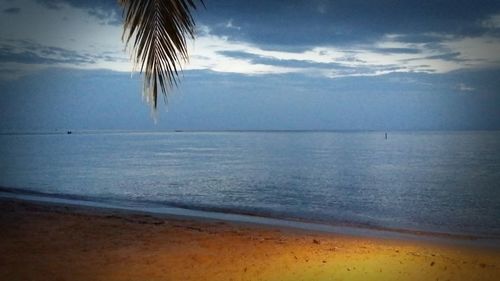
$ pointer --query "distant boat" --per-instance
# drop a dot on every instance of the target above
(69, 132)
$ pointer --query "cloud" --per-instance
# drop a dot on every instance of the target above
(276, 24)
(12, 11)
(389, 54)
(421, 37)
(55, 33)
(230, 25)
(27, 57)
(492, 22)
(320, 38)
(464, 88)
(476, 51)
(27, 52)
(19, 56)
(52, 4)
(397, 50)
(106, 11)
(269, 60)
(310, 67)
(455, 56)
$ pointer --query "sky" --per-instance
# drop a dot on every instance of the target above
(259, 65)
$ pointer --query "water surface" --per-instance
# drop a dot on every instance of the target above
(431, 181)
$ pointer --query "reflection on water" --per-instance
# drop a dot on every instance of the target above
(440, 181)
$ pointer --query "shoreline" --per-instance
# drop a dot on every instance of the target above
(57, 242)
(168, 211)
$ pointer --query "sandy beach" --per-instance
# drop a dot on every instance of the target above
(54, 242)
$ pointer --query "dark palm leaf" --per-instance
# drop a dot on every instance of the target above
(159, 29)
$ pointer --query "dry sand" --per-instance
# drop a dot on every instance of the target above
(48, 242)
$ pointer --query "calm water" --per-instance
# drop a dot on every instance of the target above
(438, 181)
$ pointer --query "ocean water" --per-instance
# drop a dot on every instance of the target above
(429, 181)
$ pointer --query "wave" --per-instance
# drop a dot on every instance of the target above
(260, 217)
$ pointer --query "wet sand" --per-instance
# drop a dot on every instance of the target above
(54, 242)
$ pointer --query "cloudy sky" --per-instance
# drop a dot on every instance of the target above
(261, 64)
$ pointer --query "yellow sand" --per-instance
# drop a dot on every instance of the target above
(41, 242)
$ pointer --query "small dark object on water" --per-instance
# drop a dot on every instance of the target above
(432, 263)
(316, 241)
(69, 132)
(385, 135)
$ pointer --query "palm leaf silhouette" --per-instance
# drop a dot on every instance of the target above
(158, 29)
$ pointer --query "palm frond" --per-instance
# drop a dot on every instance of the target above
(159, 29)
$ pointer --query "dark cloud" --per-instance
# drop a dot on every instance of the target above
(257, 59)
(27, 52)
(107, 11)
(316, 22)
(87, 4)
(296, 25)
(106, 17)
(338, 68)
(31, 57)
(12, 11)
(27, 57)
(396, 50)
(420, 38)
(51, 4)
(449, 57)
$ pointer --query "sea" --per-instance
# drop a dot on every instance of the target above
(424, 181)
